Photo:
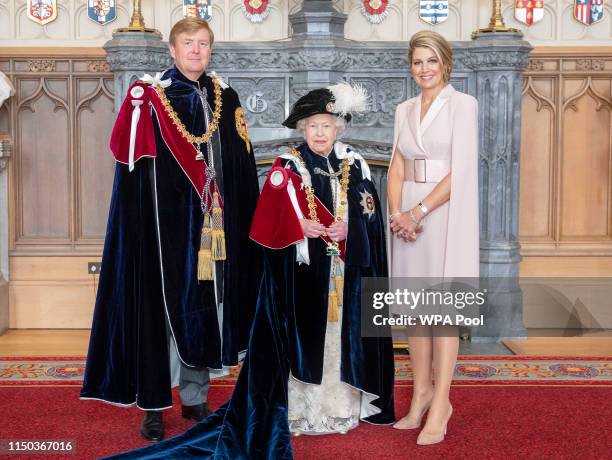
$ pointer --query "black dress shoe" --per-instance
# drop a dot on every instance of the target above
(152, 428)
(197, 412)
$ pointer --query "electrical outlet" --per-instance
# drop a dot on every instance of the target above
(93, 268)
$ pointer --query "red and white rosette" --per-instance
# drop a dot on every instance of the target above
(375, 11)
(256, 10)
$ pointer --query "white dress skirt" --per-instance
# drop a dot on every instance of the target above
(331, 407)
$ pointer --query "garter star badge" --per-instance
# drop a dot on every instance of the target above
(433, 11)
(529, 11)
(367, 203)
(241, 127)
(42, 11)
(588, 11)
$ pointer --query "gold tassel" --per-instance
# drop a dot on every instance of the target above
(332, 306)
(218, 245)
(218, 234)
(205, 263)
(339, 282)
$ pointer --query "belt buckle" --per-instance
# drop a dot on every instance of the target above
(417, 178)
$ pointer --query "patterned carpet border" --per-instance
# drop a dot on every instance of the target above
(470, 370)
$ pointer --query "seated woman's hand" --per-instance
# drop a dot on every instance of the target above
(311, 228)
(338, 231)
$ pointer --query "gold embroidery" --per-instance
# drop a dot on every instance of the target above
(241, 127)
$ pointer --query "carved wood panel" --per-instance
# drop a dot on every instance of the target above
(42, 159)
(566, 153)
(61, 118)
(95, 164)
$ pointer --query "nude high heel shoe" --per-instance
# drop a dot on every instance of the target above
(400, 426)
(426, 439)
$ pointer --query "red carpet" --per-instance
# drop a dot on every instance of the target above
(492, 422)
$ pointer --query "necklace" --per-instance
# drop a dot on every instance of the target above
(339, 205)
(212, 126)
(326, 173)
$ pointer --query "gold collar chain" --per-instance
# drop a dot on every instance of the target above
(212, 127)
(344, 182)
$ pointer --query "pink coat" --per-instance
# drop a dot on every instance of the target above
(449, 244)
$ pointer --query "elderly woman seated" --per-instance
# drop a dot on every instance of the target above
(307, 370)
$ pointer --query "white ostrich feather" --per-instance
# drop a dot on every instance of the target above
(349, 98)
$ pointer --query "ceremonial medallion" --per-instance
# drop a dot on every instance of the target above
(367, 203)
(137, 92)
(332, 249)
(433, 11)
(278, 177)
(241, 127)
(588, 11)
(256, 10)
(101, 11)
(197, 9)
(374, 11)
(42, 11)
(529, 11)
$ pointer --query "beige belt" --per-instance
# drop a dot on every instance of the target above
(422, 170)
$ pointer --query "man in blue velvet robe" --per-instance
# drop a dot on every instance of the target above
(179, 274)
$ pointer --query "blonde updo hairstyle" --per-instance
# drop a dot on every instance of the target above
(438, 44)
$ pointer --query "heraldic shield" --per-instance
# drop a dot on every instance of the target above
(529, 11)
(101, 11)
(433, 11)
(42, 11)
(375, 11)
(256, 10)
(197, 9)
(588, 11)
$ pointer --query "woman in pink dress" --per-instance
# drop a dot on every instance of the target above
(433, 214)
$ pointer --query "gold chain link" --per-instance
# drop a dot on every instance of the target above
(212, 127)
(310, 197)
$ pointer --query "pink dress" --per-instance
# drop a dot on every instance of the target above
(447, 139)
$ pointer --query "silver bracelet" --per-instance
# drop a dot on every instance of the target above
(393, 216)
(413, 218)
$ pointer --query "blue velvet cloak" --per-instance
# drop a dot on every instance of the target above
(288, 336)
(149, 264)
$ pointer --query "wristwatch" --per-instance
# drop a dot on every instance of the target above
(423, 208)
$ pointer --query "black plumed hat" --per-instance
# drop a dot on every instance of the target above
(339, 100)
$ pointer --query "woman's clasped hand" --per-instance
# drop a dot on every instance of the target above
(404, 227)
